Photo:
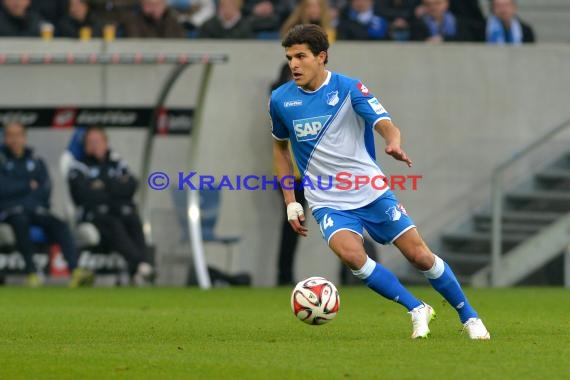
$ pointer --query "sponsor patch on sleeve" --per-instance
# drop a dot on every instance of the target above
(376, 106)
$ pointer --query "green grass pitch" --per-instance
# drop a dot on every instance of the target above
(163, 333)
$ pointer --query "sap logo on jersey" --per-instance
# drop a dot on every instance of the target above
(308, 129)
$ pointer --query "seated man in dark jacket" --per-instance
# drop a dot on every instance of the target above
(228, 23)
(154, 19)
(438, 24)
(360, 22)
(79, 16)
(25, 189)
(103, 187)
(18, 20)
(505, 27)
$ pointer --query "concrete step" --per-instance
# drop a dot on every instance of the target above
(468, 258)
(520, 217)
(549, 18)
(555, 178)
(465, 264)
(554, 174)
(529, 228)
(549, 201)
(479, 242)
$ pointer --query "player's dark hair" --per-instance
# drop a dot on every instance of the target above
(312, 35)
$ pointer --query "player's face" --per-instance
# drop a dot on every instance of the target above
(504, 9)
(15, 138)
(436, 8)
(153, 8)
(96, 145)
(17, 7)
(307, 69)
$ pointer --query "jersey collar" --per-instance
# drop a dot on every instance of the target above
(327, 80)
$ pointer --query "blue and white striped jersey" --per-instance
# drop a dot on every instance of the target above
(331, 131)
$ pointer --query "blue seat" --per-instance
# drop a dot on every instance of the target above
(38, 235)
(267, 35)
(75, 145)
(210, 203)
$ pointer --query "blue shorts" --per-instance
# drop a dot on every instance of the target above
(385, 219)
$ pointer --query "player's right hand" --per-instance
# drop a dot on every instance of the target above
(296, 216)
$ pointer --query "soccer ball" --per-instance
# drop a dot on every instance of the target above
(315, 301)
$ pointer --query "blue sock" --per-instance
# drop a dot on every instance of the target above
(443, 280)
(385, 283)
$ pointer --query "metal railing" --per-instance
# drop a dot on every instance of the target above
(497, 193)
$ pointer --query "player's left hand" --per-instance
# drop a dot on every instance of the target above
(398, 153)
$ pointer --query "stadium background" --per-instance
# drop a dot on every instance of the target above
(462, 109)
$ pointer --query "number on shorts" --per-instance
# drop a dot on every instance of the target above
(327, 222)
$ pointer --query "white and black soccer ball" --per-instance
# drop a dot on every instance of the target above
(315, 301)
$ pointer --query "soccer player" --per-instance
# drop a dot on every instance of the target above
(329, 119)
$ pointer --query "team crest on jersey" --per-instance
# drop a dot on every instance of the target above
(332, 98)
(308, 129)
(395, 212)
(363, 89)
(293, 103)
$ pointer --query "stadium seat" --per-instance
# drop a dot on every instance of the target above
(210, 204)
(86, 233)
(267, 35)
(12, 262)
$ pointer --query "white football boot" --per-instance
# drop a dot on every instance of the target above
(421, 317)
(476, 329)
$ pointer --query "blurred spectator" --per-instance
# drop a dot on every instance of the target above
(194, 13)
(79, 16)
(51, 10)
(154, 19)
(25, 189)
(311, 12)
(114, 11)
(228, 23)
(335, 6)
(265, 15)
(394, 9)
(505, 27)
(17, 19)
(360, 22)
(467, 10)
(438, 24)
(103, 188)
(399, 14)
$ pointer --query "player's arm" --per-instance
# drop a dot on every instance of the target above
(284, 167)
(391, 135)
